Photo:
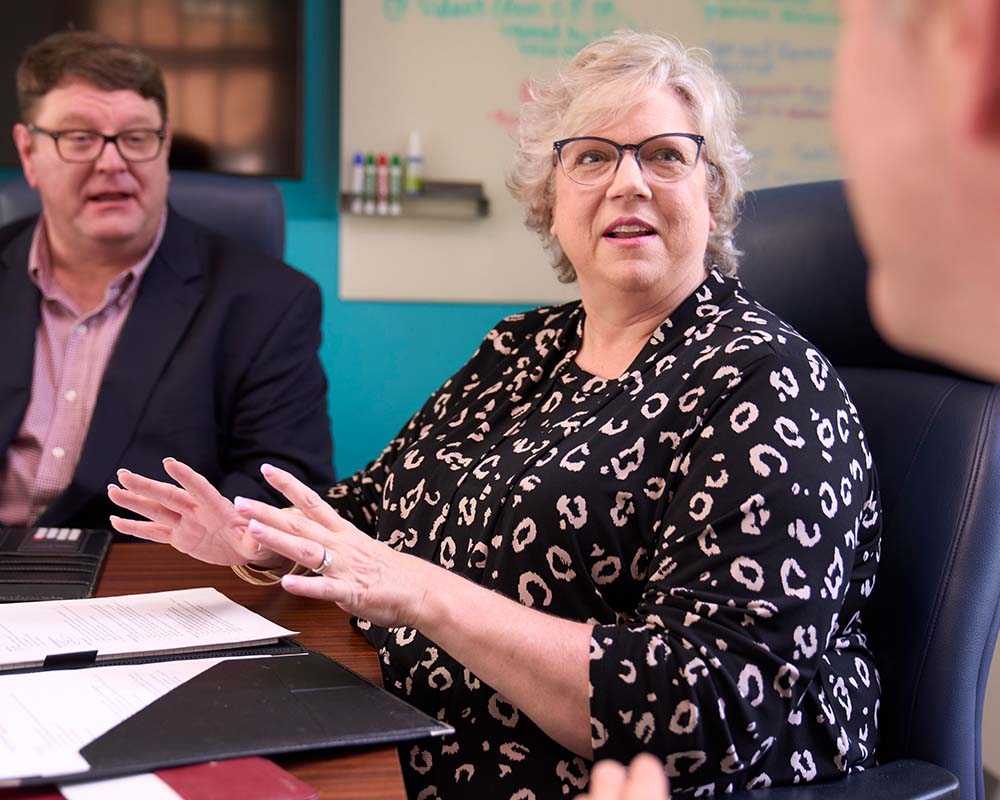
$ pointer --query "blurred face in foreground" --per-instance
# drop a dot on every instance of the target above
(917, 119)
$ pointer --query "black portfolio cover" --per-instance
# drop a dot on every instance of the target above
(253, 706)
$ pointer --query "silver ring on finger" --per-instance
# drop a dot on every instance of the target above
(325, 565)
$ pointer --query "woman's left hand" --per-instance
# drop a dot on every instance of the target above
(537, 661)
(363, 576)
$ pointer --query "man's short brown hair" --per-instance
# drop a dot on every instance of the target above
(88, 56)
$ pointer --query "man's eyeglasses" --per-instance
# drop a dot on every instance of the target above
(84, 147)
(665, 158)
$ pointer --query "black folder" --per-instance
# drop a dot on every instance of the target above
(253, 706)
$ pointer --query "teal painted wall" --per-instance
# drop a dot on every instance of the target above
(382, 359)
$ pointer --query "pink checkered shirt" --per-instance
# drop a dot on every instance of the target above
(72, 351)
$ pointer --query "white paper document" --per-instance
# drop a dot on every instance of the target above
(49, 716)
(189, 620)
(147, 786)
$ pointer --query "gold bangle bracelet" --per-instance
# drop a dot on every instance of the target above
(258, 577)
(265, 577)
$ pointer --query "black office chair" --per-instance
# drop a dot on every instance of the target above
(934, 435)
(246, 209)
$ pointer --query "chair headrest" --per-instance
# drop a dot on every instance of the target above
(249, 210)
(803, 261)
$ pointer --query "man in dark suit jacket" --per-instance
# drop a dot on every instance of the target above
(130, 333)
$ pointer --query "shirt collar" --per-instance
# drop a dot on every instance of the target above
(121, 289)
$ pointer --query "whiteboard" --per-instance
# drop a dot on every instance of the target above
(456, 71)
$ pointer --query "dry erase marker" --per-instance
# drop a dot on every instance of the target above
(370, 179)
(414, 165)
(382, 188)
(395, 186)
(357, 183)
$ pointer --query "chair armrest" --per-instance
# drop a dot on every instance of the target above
(898, 780)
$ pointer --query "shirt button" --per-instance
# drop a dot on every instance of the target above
(58, 452)
(81, 329)
(70, 395)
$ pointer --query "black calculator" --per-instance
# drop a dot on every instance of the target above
(50, 563)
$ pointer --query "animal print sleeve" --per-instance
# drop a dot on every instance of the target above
(747, 623)
(359, 497)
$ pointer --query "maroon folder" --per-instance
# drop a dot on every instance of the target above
(234, 779)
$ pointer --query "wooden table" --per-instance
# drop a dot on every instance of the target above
(361, 774)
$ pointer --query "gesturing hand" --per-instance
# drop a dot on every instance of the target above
(643, 779)
(363, 576)
(192, 517)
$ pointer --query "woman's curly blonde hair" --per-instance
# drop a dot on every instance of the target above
(592, 91)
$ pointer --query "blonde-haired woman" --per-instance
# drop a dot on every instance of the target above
(646, 521)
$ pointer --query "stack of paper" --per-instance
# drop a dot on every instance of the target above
(49, 715)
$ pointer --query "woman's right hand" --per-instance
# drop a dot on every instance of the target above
(192, 517)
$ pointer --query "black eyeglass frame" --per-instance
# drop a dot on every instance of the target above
(558, 146)
(161, 135)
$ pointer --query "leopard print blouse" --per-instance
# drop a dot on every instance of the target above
(713, 512)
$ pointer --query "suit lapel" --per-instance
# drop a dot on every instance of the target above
(19, 312)
(168, 298)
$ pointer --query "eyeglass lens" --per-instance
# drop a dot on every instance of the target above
(665, 158)
(137, 145)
